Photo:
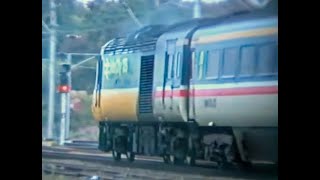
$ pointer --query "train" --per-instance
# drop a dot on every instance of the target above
(203, 89)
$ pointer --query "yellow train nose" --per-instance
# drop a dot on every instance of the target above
(117, 105)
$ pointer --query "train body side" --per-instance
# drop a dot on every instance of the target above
(235, 74)
(234, 101)
(227, 77)
(119, 87)
(235, 83)
(123, 87)
(169, 57)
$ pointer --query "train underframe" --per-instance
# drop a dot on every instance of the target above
(175, 142)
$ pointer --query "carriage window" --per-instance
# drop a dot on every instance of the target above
(193, 69)
(171, 49)
(247, 61)
(267, 60)
(230, 62)
(170, 68)
(276, 68)
(212, 64)
(200, 65)
(98, 74)
(178, 64)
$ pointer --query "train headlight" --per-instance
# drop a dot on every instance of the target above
(211, 124)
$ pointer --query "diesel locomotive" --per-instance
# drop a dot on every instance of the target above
(201, 89)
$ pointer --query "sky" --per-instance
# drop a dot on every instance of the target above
(84, 1)
(205, 1)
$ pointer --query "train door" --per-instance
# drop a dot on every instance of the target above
(192, 86)
(97, 91)
(170, 80)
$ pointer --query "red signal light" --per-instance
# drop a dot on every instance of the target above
(64, 89)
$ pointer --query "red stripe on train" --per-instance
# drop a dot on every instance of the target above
(220, 92)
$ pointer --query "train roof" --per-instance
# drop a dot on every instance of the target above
(145, 38)
(232, 18)
(228, 25)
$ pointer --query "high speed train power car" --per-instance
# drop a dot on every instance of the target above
(202, 89)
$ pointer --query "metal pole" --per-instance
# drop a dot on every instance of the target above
(52, 69)
(69, 61)
(63, 118)
(197, 9)
(84, 54)
(82, 62)
(135, 19)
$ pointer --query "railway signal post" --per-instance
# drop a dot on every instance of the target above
(69, 61)
(64, 89)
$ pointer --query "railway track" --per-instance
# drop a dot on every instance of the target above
(76, 169)
(88, 162)
(82, 144)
